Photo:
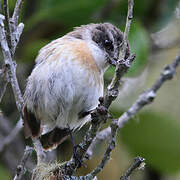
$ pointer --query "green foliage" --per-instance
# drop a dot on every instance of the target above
(67, 12)
(139, 44)
(30, 51)
(153, 13)
(4, 173)
(11, 4)
(154, 137)
(140, 7)
(166, 12)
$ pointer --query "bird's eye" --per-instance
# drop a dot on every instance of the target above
(108, 45)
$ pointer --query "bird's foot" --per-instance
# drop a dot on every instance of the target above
(77, 158)
(101, 111)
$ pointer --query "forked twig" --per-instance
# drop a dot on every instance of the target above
(138, 163)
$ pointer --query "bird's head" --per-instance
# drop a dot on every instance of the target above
(106, 38)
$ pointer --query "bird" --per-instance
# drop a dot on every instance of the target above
(67, 81)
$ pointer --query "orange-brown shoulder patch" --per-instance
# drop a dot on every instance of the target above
(83, 54)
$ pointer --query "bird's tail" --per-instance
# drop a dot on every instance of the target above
(53, 138)
(32, 126)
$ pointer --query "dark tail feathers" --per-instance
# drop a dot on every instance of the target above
(32, 126)
(55, 137)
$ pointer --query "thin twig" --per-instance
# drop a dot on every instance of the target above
(41, 156)
(123, 64)
(16, 34)
(21, 167)
(15, 28)
(108, 151)
(7, 22)
(129, 19)
(6, 12)
(137, 163)
(7, 140)
(100, 137)
(11, 66)
(17, 10)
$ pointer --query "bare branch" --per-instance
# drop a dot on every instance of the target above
(71, 166)
(10, 65)
(17, 10)
(107, 154)
(138, 163)
(6, 11)
(100, 137)
(9, 42)
(123, 64)
(7, 22)
(129, 19)
(41, 156)
(15, 28)
(16, 33)
(21, 167)
(7, 140)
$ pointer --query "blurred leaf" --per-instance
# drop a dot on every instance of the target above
(156, 138)
(139, 44)
(4, 174)
(66, 11)
(30, 51)
(140, 7)
(166, 11)
(11, 5)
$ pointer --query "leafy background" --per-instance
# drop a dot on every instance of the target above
(154, 133)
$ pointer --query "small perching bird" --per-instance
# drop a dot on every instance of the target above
(67, 81)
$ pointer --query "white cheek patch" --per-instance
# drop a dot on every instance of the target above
(99, 55)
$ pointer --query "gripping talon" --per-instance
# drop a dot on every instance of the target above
(78, 161)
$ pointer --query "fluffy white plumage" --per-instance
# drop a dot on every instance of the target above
(63, 87)
(67, 81)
